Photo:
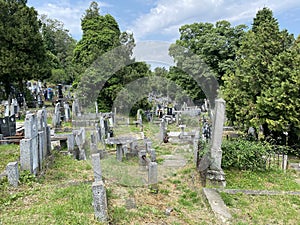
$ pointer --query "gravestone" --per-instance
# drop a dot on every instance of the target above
(215, 173)
(152, 155)
(12, 172)
(97, 167)
(56, 119)
(143, 161)
(100, 201)
(29, 155)
(67, 112)
(152, 173)
(162, 132)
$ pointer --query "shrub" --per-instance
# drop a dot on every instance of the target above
(244, 154)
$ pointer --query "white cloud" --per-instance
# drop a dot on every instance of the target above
(168, 15)
(69, 12)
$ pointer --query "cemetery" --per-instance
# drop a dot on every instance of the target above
(92, 133)
(118, 170)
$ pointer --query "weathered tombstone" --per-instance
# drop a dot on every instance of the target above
(100, 201)
(29, 156)
(182, 127)
(162, 130)
(97, 167)
(119, 153)
(148, 145)
(152, 155)
(215, 173)
(12, 173)
(143, 161)
(56, 120)
(152, 173)
(71, 142)
(67, 112)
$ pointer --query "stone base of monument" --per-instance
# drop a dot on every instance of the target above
(216, 178)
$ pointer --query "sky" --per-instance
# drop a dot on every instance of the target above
(160, 20)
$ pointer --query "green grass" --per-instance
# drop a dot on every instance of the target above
(248, 209)
(262, 180)
(8, 153)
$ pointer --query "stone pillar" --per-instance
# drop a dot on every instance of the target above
(284, 162)
(152, 173)
(216, 141)
(100, 201)
(215, 173)
(70, 142)
(148, 146)
(97, 167)
(29, 151)
(162, 130)
(143, 158)
(12, 172)
(119, 153)
(152, 155)
(67, 112)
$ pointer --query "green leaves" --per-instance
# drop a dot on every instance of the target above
(23, 55)
(263, 89)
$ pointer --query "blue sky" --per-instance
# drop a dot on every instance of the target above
(160, 20)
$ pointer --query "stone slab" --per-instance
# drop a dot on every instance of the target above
(217, 205)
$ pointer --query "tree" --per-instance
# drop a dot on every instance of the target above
(60, 46)
(215, 44)
(22, 53)
(100, 34)
(104, 53)
(253, 86)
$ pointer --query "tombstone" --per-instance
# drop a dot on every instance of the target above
(12, 172)
(215, 173)
(143, 161)
(152, 153)
(100, 201)
(148, 146)
(284, 162)
(70, 142)
(97, 167)
(29, 151)
(67, 112)
(182, 130)
(119, 153)
(162, 130)
(56, 120)
(152, 173)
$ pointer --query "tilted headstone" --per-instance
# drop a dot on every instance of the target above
(12, 172)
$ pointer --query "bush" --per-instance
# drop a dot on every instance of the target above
(244, 154)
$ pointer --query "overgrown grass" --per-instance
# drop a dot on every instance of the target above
(262, 180)
(9, 153)
(248, 209)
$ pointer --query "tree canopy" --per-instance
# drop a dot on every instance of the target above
(263, 89)
(22, 52)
